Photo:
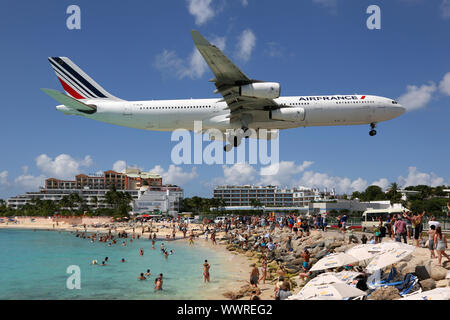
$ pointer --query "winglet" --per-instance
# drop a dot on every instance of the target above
(199, 40)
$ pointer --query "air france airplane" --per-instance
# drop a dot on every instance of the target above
(245, 103)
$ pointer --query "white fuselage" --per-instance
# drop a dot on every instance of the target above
(169, 115)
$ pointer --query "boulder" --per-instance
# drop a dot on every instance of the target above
(385, 293)
(438, 272)
(297, 262)
(443, 283)
(428, 284)
(421, 272)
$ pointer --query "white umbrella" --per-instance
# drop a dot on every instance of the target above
(333, 261)
(362, 252)
(389, 245)
(333, 291)
(435, 294)
(386, 258)
(347, 276)
(324, 278)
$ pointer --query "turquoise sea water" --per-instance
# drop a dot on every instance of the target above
(33, 265)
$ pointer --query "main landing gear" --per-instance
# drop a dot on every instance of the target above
(373, 131)
(235, 140)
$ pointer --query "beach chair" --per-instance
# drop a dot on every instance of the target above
(373, 284)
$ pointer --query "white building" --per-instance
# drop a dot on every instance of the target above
(166, 201)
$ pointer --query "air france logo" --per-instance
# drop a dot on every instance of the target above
(325, 98)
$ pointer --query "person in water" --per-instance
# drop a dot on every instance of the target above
(148, 273)
(141, 252)
(206, 275)
(159, 282)
(141, 277)
(123, 260)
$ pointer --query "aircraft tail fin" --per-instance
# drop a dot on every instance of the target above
(76, 82)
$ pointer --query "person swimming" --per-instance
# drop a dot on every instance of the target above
(123, 260)
(141, 277)
(148, 273)
(94, 262)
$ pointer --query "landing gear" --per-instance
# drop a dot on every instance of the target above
(236, 139)
(373, 131)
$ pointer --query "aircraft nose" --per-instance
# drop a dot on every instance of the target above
(396, 111)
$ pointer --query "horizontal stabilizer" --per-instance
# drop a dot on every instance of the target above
(69, 102)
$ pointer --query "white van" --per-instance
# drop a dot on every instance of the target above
(370, 216)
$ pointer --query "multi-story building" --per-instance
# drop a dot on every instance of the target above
(93, 188)
(269, 195)
(131, 179)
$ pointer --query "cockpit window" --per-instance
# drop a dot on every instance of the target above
(394, 102)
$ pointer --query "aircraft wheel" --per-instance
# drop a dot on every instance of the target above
(227, 147)
(372, 133)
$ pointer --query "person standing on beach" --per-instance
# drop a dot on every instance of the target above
(254, 276)
(440, 244)
(263, 272)
(431, 234)
(191, 239)
(206, 275)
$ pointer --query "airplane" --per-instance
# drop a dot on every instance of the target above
(245, 104)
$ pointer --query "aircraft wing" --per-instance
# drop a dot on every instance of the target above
(69, 102)
(228, 79)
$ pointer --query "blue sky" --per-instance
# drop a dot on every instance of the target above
(143, 50)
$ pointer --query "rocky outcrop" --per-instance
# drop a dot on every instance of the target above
(428, 284)
(385, 293)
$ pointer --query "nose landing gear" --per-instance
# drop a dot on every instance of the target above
(373, 131)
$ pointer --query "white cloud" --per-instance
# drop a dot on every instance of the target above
(28, 181)
(119, 166)
(63, 166)
(281, 174)
(417, 97)
(444, 85)
(201, 10)
(383, 183)
(445, 9)
(3, 178)
(416, 177)
(237, 174)
(244, 3)
(247, 42)
(192, 67)
(323, 180)
(175, 174)
(329, 4)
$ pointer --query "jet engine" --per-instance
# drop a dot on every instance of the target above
(288, 114)
(264, 90)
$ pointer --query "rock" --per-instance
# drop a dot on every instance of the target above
(321, 254)
(438, 273)
(421, 272)
(385, 293)
(297, 262)
(443, 283)
(428, 284)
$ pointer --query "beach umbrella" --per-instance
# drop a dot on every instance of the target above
(362, 252)
(333, 261)
(387, 258)
(321, 279)
(435, 294)
(347, 276)
(332, 291)
(389, 245)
